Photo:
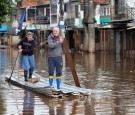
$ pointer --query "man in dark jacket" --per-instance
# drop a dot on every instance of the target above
(55, 51)
(26, 46)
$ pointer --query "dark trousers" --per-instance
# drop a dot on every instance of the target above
(55, 63)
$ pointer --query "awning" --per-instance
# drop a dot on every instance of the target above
(131, 28)
(106, 27)
(125, 21)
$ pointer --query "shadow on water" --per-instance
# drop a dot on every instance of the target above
(110, 78)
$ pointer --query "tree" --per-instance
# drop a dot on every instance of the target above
(6, 8)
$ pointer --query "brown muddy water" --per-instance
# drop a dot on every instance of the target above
(110, 78)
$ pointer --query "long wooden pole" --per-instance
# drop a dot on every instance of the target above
(13, 67)
(71, 63)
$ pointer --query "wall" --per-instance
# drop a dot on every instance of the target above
(34, 2)
(97, 14)
(100, 1)
(131, 3)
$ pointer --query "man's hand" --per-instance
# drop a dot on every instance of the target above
(20, 50)
(61, 40)
(40, 44)
(19, 47)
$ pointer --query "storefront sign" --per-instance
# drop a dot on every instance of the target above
(37, 26)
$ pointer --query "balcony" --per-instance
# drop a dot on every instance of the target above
(111, 13)
(122, 12)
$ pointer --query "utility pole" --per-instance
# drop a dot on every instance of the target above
(89, 26)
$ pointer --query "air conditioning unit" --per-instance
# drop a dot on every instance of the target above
(74, 22)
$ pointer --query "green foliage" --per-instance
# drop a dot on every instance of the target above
(6, 8)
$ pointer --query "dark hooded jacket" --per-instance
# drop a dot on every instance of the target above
(27, 46)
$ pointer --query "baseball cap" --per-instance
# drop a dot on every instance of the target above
(29, 33)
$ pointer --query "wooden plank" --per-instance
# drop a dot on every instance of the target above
(71, 63)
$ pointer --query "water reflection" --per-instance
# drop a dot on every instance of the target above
(110, 78)
(68, 106)
(28, 104)
(3, 61)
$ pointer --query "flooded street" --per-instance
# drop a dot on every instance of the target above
(110, 78)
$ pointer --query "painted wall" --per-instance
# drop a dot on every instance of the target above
(131, 3)
(34, 2)
(97, 14)
(100, 1)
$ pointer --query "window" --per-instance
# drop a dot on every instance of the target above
(105, 10)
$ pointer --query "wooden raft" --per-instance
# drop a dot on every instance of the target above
(42, 87)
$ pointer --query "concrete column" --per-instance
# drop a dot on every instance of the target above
(112, 8)
(86, 38)
(89, 27)
(91, 35)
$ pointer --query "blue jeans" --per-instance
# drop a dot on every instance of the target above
(28, 61)
(55, 62)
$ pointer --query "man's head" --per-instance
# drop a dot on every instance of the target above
(29, 36)
(55, 31)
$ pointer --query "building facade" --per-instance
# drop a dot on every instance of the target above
(111, 16)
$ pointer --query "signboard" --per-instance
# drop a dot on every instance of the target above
(105, 19)
(37, 26)
(34, 2)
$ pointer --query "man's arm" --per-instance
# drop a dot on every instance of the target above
(43, 43)
(19, 45)
(52, 44)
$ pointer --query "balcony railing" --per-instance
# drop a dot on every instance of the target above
(117, 12)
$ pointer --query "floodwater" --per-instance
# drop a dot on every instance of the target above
(110, 78)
